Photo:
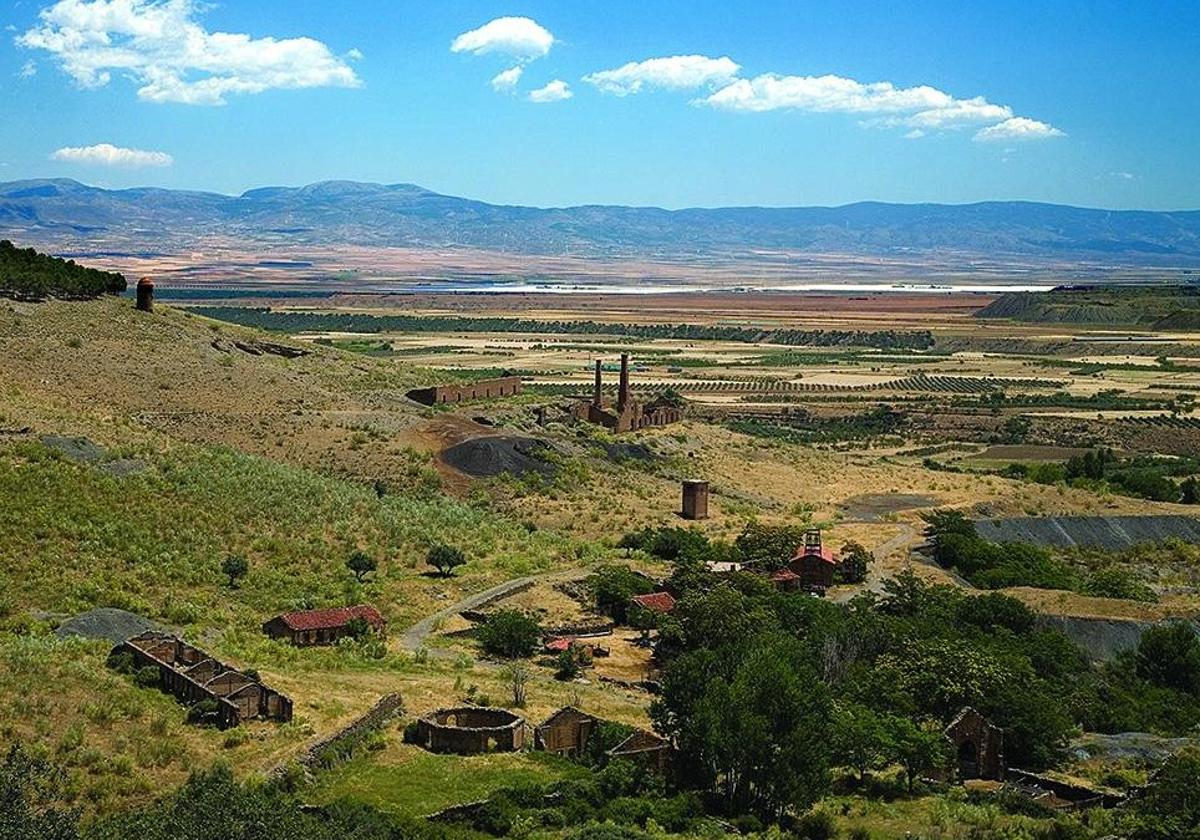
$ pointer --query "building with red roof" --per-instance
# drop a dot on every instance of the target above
(321, 627)
(811, 568)
(659, 602)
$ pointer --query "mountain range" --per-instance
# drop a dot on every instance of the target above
(333, 212)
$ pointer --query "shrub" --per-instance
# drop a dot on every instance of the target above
(445, 558)
(147, 677)
(204, 712)
(510, 634)
(816, 825)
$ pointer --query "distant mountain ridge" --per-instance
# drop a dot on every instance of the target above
(334, 212)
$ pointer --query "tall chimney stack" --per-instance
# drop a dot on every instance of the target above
(623, 393)
(145, 294)
(596, 388)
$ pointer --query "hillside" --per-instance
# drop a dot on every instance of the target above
(1156, 307)
(148, 219)
(26, 274)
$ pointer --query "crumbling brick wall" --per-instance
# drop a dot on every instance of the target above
(978, 746)
(469, 730)
(485, 389)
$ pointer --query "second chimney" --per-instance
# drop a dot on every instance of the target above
(623, 393)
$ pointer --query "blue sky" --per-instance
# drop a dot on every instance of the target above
(774, 103)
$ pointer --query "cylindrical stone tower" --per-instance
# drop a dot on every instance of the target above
(695, 499)
(145, 295)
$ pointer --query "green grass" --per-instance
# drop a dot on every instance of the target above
(406, 780)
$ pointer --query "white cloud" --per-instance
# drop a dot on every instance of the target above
(355, 54)
(28, 70)
(915, 134)
(520, 37)
(1018, 128)
(506, 80)
(160, 45)
(555, 91)
(106, 154)
(678, 72)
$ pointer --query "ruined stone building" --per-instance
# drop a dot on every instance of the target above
(193, 676)
(811, 569)
(484, 389)
(321, 627)
(978, 746)
(627, 414)
(470, 730)
(566, 732)
(644, 749)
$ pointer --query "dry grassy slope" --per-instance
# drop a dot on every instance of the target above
(104, 370)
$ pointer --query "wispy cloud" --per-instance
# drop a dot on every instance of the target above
(28, 70)
(173, 58)
(677, 72)
(520, 37)
(555, 91)
(506, 80)
(1017, 128)
(106, 154)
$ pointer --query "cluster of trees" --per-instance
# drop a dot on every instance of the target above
(293, 322)
(760, 546)
(26, 274)
(1157, 479)
(989, 565)
(801, 427)
(763, 692)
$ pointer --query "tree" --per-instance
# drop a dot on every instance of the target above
(857, 738)
(361, 564)
(769, 545)
(517, 675)
(743, 719)
(640, 618)
(30, 789)
(855, 562)
(235, 567)
(510, 634)
(1169, 656)
(1189, 490)
(445, 558)
(613, 586)
(1169, 807)
(916, 748)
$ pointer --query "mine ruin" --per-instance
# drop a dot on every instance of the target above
(193, 676)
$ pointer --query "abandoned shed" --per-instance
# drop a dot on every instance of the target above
(192, 676)
(470, 730)
(566, 732)
(321, 627)
(978, 746)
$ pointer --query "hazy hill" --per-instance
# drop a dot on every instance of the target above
(408, 215)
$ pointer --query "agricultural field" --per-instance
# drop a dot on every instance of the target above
(139, 452)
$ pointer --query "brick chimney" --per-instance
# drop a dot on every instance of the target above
(596, 387)
(623, 393)
(145, 294)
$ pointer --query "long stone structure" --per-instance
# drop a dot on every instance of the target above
(485, 389)
(192, 676)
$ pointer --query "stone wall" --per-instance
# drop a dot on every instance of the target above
(469, 730)
(374, 718)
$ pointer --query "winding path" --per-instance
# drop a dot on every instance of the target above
(418, 634)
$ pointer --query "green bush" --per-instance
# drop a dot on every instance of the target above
(510, 634)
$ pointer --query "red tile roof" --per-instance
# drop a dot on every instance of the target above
(331, 618)
(559, 644)
(784, 576)
(825, 554)
(662, 602)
